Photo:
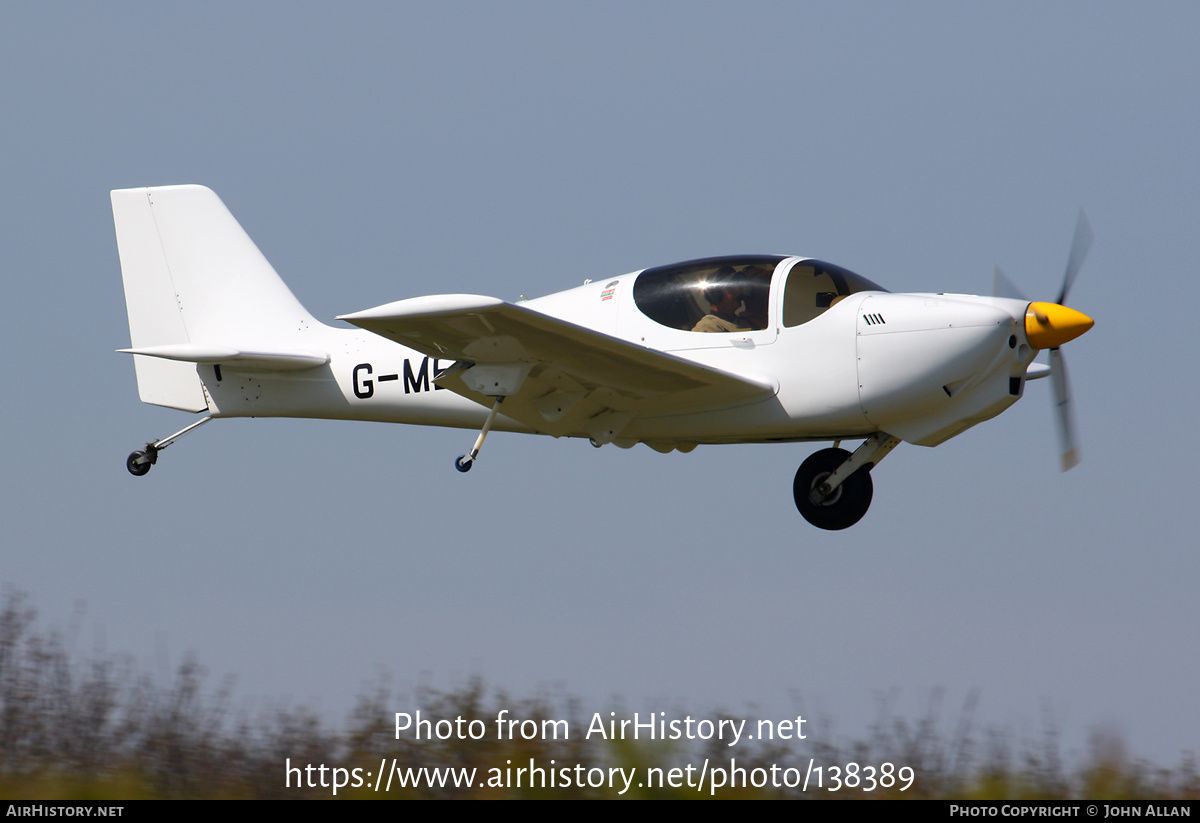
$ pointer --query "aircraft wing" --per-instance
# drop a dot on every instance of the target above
(556, 376)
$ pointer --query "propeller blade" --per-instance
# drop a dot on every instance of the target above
(1079, 249)
(1065, 418)
(1003, 287)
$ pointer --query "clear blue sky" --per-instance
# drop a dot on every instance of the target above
(382, 151)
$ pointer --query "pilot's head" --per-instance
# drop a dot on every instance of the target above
(723, 290)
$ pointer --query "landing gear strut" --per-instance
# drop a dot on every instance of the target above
(464, 461)
(139, 462)
(833, 487)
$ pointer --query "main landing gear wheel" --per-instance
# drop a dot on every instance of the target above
(846, 505)
(463, 464)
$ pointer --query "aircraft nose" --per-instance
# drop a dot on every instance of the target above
(1049, 325)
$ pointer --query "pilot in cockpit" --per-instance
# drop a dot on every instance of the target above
(724, 295)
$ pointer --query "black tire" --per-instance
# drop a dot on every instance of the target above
(849, 501)
(135, 468)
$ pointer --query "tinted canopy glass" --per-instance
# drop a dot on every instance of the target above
(733, 294)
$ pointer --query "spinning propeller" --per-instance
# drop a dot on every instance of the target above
(1048, 326)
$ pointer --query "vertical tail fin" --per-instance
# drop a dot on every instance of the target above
(194, 280)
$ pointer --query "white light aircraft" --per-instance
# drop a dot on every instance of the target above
(747, 349)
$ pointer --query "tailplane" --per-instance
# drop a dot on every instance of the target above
(198, 290)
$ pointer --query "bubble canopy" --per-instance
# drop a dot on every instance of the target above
(729, 294)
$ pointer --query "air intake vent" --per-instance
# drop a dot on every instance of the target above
(874, 319)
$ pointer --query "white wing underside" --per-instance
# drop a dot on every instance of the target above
(555, 376)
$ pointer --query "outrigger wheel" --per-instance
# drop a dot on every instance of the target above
(845, 505)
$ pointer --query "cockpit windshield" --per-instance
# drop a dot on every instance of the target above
(813, 286)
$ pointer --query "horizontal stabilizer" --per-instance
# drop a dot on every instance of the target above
(235, 359)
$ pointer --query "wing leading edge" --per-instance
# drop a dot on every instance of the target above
(556, 377)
